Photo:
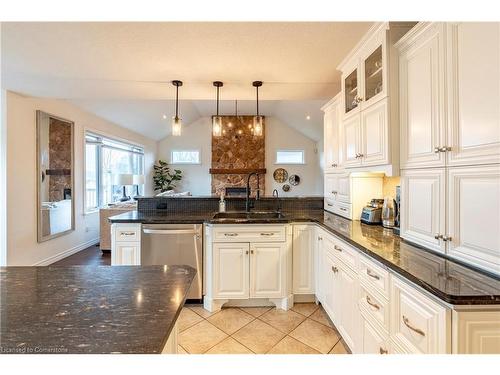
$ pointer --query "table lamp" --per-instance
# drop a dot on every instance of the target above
(123, 179)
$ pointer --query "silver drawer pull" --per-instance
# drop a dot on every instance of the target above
(343, 209)
(230, 234)
(329, 204)
(335, 269)
(372, 304)
(382, 350)
(371, 274)
(127, 233)
(337, 248)
(407, 323)
(246, 252)
(267, 234)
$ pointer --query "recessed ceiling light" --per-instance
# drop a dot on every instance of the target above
(308, 117)
(164, 117)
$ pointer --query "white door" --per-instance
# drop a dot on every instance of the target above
(127, 254)
(423, 207)
(303, 259)
(344, 188)
(331, 137)
(474, 215)
(374, 342)
(351, 142)
(421, 102)
(230, 270)
(374, 134)
(474, 92)
(267, 269)
(349, 310)
(330, 285)
(318, 265)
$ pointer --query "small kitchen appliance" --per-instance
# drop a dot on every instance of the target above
(372, 212)
(389, 212)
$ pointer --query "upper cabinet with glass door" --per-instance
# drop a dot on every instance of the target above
(373, 75)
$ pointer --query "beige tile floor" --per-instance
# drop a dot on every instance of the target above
(305, 329)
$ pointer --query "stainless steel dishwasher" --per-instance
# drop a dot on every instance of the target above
(175, 244)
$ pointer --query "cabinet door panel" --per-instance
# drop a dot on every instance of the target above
(331, 185)
(127, 254)
(374, 342)
(375, 134)
(267, 270)
(351, 141)
(350, 316)
(474, 92)
(329, 286)
(423, 207)
(303, 262)
(421, 80)
(473, 215)
(331, 137)
(231, 270)
(344, 188)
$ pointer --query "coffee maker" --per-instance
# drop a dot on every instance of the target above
(397, 220)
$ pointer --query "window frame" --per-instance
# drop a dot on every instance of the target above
(302, 151)
(134, 148)
(185, 163)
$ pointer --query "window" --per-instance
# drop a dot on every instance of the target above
(104, 158)
(290, 157)
(185, 157)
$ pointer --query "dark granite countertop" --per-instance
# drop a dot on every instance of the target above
(89, 309)
(448, 280)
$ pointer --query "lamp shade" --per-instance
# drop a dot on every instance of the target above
(123, 179)
(139, 179)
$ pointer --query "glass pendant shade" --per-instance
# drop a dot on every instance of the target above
(258, 126)
(216, 126)
(176, 126)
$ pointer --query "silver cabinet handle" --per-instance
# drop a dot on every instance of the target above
(329, 205)
(320, 238)
(370, 273)
(446, 238)
(230, 234)
(372, 304)
(407, 323)
(251, 251)
(437, 149)
(438, 236)
(335, 269)
(383, 351)
(445, 149)
(127, 233)
(337, 248)
(334, 165)
(246, 252)
(343, 209)
(267, 234)
(169, 231)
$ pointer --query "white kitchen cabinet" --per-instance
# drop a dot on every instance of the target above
(330, 287)
(231, 270)
(349, 321)
(422, 101)
(374, 135)
(476, 332)
(126, 254)
(351, 143)
(374, 341)
(267, 270)
(331, 135)
(474, 215)
(473, 87)
(423, 203)
(319, 261)
(304, 239)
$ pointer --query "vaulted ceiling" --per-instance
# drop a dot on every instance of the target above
(122, 71)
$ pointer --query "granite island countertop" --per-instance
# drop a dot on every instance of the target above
(90, 309)
(450, 281)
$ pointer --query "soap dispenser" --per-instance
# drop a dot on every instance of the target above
(222, 203)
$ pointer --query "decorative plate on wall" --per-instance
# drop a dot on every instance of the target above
(280, 175)
(286, 187)
(294, 180)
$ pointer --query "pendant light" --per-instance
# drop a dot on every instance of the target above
(176, 121)
(217, 120)
(258, 122)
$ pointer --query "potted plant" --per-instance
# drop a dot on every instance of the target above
(164, 179)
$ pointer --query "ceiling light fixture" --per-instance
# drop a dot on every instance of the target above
(308, 117)
(258, 122)
(217, 120)
(164, 117)
(176, 121)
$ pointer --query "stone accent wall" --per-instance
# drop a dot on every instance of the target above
(237, 148)
(59, 159)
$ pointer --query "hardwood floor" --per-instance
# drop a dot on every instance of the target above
(91, 256)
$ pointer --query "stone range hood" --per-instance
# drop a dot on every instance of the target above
(236, 154)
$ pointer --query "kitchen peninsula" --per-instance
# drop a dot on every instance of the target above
(84, 309)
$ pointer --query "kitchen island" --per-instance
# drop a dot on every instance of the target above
(86, 309)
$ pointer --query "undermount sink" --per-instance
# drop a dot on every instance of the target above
(249, 215)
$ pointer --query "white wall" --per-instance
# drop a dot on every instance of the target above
(197, 135)
(22, 246)
(278, 136)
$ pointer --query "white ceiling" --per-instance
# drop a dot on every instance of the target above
(122, 71)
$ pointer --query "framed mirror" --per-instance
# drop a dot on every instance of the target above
(55, 176)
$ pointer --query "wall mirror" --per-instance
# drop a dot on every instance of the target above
(55, 171)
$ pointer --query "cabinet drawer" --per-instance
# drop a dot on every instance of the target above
(344, 252)
(374, 308)
(374, 341)
(329, 205)
(343, 209)
(128, 234)
(374, 275)
(417, 322)
(249, 233)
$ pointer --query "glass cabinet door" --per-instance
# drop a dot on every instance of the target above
(373, 75)
(351, 91)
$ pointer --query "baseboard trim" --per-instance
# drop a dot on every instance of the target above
(66, 253)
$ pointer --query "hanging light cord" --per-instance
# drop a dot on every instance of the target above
(176, 102)
(257, 100)
(217, 101)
